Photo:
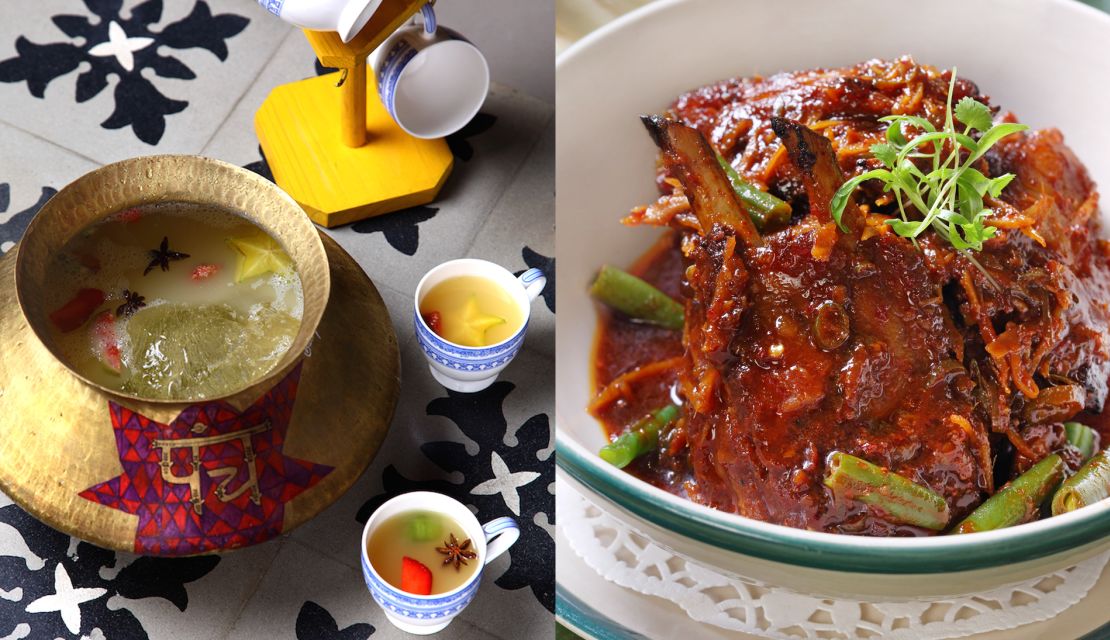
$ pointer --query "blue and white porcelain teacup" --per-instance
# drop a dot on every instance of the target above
(431, 79)
(471, 369)
(424, 615)
(347, 17)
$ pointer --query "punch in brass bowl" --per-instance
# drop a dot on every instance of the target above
(169, 178)
(192, 476)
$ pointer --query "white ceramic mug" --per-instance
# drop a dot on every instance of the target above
(347, 17)
(431, 80)
(425, 615)
(470, 369)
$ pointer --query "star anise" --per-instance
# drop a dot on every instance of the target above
(456, 553)
(162, 256)
(132, 302)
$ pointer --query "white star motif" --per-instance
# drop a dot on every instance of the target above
(66, 600)
(120, 46)
(505, 482)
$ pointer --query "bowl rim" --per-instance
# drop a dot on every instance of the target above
(655, 6)
(261, 382)
(814, 549)
(831, 551)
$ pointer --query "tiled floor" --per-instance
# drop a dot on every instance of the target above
(498, 204)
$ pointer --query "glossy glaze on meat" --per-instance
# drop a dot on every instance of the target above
(806, 340)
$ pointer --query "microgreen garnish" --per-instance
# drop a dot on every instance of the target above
(941, 184)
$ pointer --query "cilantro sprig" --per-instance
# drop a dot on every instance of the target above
(948, 192)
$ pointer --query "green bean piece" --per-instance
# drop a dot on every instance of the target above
(637, 299)
(902, 500)
(1089, 485)
(639, 439)
(763, 208)
(1018, 501)
(1081, 437)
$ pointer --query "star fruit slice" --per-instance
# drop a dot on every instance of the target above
(475, 323)
(259, 254)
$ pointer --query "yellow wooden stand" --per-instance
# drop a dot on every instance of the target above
(337, 152)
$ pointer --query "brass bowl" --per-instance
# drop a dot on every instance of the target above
(168, 178)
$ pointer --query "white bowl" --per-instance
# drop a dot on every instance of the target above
(1043, 59)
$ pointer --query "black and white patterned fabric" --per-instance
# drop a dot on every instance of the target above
(85, 82)
(108, 43)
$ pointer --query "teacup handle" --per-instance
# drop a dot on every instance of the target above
(534, 281)
(429, 15)
(500, 535)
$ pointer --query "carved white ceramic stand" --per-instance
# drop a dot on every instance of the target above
(623, 556)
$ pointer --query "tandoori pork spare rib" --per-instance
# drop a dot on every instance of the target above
(942, 366)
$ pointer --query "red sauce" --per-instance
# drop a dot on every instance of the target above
(623, 345)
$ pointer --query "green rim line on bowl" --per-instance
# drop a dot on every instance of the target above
(588, 622)
(854, 554)
(835, 552)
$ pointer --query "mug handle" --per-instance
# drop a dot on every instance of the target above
(500, 535)
(534, 281)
